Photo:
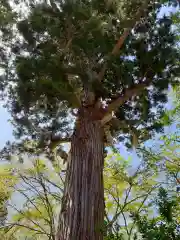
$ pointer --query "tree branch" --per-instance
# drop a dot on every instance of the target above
(55, 139)
(50, 141)
(139, 209)
(48, 206)
(28, 227)
(124, 36)
(28, 218)
(54, 184)
(119, 101)
(63, 154)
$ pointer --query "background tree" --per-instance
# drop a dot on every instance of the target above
(159, 169)
(39, 193)
(74, 57)
(165, 225)
(7, 183)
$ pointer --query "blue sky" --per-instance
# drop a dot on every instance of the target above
(6, 127)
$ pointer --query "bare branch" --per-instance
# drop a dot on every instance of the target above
(29, 200)
(55, 140)
(28, 227)
(33, 189)
(140, 207)
(68, 44)
(28, 218)
(118, 213)
(50, 141)
(49, 207)
(125, 222)
(54, 184)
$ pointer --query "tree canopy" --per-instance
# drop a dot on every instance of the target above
(60, 48)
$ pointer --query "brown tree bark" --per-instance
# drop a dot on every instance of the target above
(82, 213)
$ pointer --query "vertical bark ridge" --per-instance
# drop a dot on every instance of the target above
(82, 213)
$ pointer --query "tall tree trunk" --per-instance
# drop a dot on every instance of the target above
(82, 214)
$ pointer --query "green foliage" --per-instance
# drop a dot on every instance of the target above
(163, 226)
(132, 199)
(62, 49)
(126, 193)
(7, 183)
(39, 193)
